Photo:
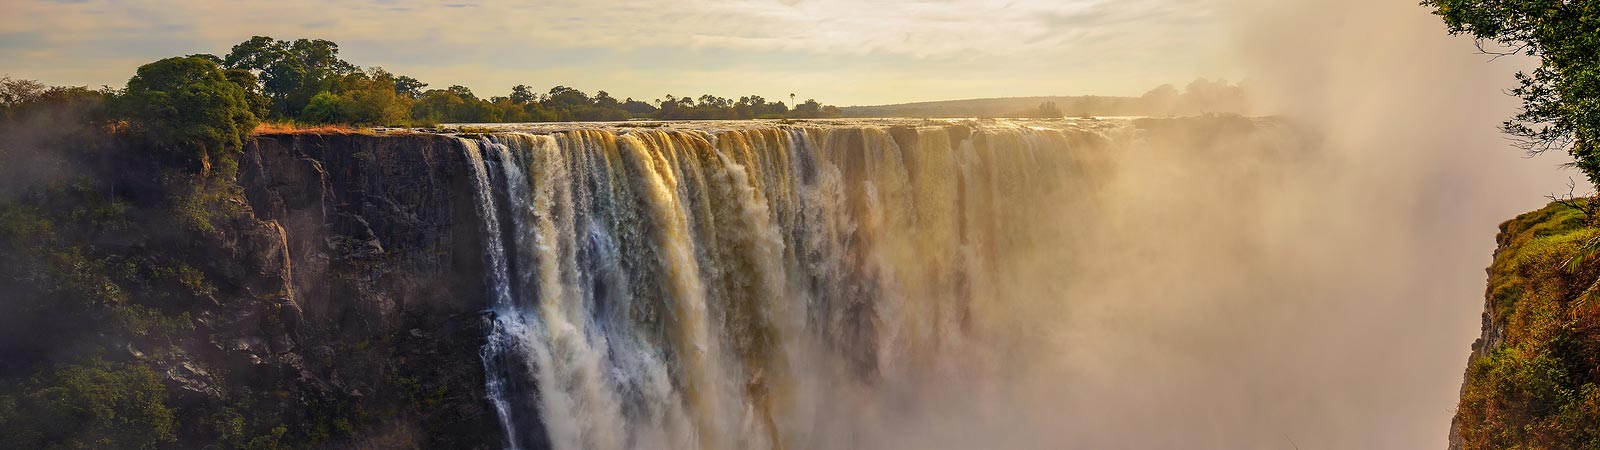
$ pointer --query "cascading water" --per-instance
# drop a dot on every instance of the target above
(758, 287)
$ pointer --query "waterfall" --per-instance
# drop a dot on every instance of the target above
(753, 287)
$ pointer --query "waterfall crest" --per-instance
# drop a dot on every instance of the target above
(764, 287)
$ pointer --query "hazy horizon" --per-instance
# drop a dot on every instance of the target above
(838, 52)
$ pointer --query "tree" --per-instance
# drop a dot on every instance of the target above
(603, 99)
(290, 72)
(15, 93)
(189, 106)
(94, 405)
(260, 104)
(808, 109)
(565, 96)
(323, 108)
(522, 94)
(409, 87)
(461, 91)
(636, 107)
(1559, 99)
(368, 98)
(437, 105)
(1048, 110)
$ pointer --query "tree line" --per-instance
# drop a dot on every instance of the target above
(305, 81)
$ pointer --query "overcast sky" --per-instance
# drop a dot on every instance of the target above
(837, 51)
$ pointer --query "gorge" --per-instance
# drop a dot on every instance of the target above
(877, 283)
(700, 285)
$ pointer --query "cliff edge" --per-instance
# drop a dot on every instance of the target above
(329, 296)
(1533, 380)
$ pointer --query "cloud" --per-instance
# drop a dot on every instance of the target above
(1139, 41)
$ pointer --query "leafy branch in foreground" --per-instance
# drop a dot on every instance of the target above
(1560, 98)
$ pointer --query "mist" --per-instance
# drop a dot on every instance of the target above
(1315, 286)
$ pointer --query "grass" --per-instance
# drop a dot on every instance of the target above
(1539, 386)
(297, 128)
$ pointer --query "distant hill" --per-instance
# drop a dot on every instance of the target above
(1200, 96)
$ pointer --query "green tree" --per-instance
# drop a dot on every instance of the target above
(809, 109)
(260, 104)
(323, 108)
(362, 98)
(636, 107)
(565, 96)
(1561, 98)
(521, 94)
(409, 87)
(188, 106)
(93, 405)
(291, 72)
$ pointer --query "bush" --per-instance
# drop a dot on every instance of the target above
(1538, 387)
(87, 406)
(189, 107)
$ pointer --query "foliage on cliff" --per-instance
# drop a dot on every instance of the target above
(1534, 379)
(1559, 107)
(101, 214)
(109, 240)
(146, 304)
(90, 405)
(191, 107)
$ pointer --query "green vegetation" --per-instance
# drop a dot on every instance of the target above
(305, 82)
(106, 198)
(1534, 381)
(1539, 387)
(1559, 107)
(125, 245)
(189, 106)
(92, 405)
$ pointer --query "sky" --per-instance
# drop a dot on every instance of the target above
(845, 52)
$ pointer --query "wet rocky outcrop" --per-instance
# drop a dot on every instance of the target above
(354, 296)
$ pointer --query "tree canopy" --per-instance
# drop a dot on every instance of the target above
(1561, 98)
(191, 106)
(291, 72)
(304, 80)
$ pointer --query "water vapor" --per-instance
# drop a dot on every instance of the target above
(1320, 284)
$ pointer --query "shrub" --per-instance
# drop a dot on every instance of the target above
(91, 405)
(189, 107)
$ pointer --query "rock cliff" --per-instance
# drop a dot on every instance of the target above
(364, 268)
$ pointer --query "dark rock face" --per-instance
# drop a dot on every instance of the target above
(362, 267)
